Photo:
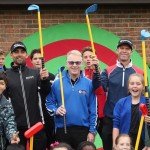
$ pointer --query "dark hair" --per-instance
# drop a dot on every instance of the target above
(15, 147)
(34, 52)
(3, 77)
(17, 45)
(85, 49)
(61, 145)
(86, 143)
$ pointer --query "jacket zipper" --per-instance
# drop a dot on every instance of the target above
(24, 97)
(123, 75)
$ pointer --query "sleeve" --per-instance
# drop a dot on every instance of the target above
(45, 85)
(51, 104)
(117, 115)
(104, 80)
(93, 112)
(100, 82)
(10, 126)
(96, 82)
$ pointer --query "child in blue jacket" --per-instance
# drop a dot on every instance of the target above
(126, 112)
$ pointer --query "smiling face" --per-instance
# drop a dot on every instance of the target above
(124, 53)
(74, 63)
(19, 56)
(136, 85)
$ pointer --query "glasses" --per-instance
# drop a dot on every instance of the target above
(74, 62)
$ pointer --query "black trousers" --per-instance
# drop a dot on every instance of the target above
(106, 133)
(75, 135)
(49, 129)
(100, 126)
(39, 140)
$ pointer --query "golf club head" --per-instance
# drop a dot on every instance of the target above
(143, 109)
(33, 7)
(61, 69)
(91, 9)
(144, 34)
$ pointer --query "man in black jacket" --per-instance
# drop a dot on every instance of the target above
(36, 60)
(23, 86)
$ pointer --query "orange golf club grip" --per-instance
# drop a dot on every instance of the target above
(33, 130)
(143, 109)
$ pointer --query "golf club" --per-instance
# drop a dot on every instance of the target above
(62, 95)
(37, 8)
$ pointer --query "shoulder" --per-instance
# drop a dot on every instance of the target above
(32, 69)
(9, 70)
(124, 100)
(4, 101)
(83, 77)
(110, 69)
(137, 69)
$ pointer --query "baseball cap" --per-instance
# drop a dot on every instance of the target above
(125, 41)
(18, 45)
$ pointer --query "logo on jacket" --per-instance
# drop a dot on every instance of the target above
(82, 92)
(30, 77)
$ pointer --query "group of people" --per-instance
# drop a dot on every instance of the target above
(90, 100)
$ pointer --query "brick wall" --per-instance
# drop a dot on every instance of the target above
(123, 20)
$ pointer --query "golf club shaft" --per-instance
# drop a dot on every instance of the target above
(62, 98)
(139, 133)
(90, 33)
(31, 143)
(40, 33)
(146, 86)
(145, 68)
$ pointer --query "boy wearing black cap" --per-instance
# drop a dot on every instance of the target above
(114, 82)
(23, 86)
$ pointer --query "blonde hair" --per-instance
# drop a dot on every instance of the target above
(136, 75)
(74, 52)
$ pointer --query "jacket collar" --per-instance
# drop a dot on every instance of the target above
(118, 63)
(19, 67)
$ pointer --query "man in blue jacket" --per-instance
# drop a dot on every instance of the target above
(80, 108)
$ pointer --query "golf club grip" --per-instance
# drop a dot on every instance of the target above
(65, 127)
(148, 107)
(43, 63)
(97, 72)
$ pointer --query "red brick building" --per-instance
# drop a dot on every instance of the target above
(122, 17)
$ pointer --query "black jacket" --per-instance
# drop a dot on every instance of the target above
(31, 81)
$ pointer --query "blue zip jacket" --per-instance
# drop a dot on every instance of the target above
(80, 102)
(122, 114)
(114, 80)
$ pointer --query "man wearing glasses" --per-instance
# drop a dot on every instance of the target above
(80, 104)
